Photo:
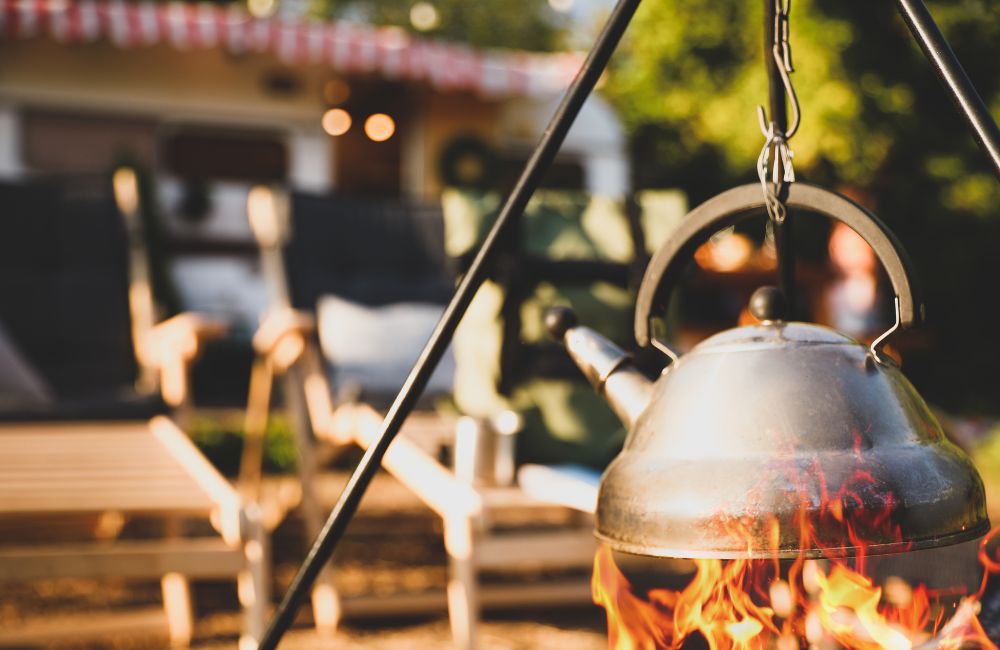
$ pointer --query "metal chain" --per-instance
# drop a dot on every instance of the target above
(775, 160)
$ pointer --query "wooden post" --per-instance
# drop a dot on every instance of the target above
(255, 428)
(459, 540)
(177, 598)
(177, 604)
(253, 582)
(463, 588)
(325, 600)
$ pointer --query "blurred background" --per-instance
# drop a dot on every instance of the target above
(394, 127)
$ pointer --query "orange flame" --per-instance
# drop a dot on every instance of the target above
(753, 604)
(828, 607)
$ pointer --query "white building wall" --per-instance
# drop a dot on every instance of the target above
(607, 174)
(597, 139)
(311, 161)
(10, 142)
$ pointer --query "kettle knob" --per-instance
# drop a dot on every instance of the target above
(768, 304)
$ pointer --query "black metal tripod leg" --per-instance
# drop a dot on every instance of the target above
(531, 178)
(953, 76)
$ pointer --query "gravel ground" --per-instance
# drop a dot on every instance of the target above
(514, 633)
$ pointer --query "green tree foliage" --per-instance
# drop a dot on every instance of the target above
(523, 24)
(875, 118)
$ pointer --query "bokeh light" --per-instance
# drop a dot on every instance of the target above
(379, 127)
(726, 252)
(424, 16)
(561, 6)
(262, 8)
(337, 121)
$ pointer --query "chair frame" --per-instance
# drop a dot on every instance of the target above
(79, 470)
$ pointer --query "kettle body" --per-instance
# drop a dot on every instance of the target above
(781, 439)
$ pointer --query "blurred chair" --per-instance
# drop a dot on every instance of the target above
(95, 446)
(587, 252)
(472, 496)
(339, 249)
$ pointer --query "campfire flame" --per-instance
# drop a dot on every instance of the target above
(831, 602)
(746, 605)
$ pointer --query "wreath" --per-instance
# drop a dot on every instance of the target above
(467, 161)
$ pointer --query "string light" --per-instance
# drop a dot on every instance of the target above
(336, 121)
(379, 127)
(424, 16)
(262, 8)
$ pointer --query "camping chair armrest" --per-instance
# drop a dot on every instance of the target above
(171, 346)
(282, 335)
(179, 337)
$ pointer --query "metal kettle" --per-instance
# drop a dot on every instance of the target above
(763, 432)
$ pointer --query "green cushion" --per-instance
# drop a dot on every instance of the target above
(564, 421)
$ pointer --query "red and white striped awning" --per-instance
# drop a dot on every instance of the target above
(348, 47)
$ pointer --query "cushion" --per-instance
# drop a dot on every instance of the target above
(64, 284)
(573, 486)
(371, 252)
(564, 421)
(374, 348)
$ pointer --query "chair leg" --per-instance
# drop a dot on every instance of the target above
(463, 589)
(253, 582)
(326, 605)
(460, 539)
(177, 604)
(255, 429)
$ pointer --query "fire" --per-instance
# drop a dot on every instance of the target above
(744, 605)
(825, 603)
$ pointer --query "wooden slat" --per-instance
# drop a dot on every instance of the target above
(85, 628)
(426, 431)
(94, 467)
(224, 497)
(559, 549)
(204, 473)
(513, 497)
(429, 431)
(201, 558)
(420, 472)
(542, 594)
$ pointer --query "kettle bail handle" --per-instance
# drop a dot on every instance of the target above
(739, 203)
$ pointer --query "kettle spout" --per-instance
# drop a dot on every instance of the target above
(608, 368)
